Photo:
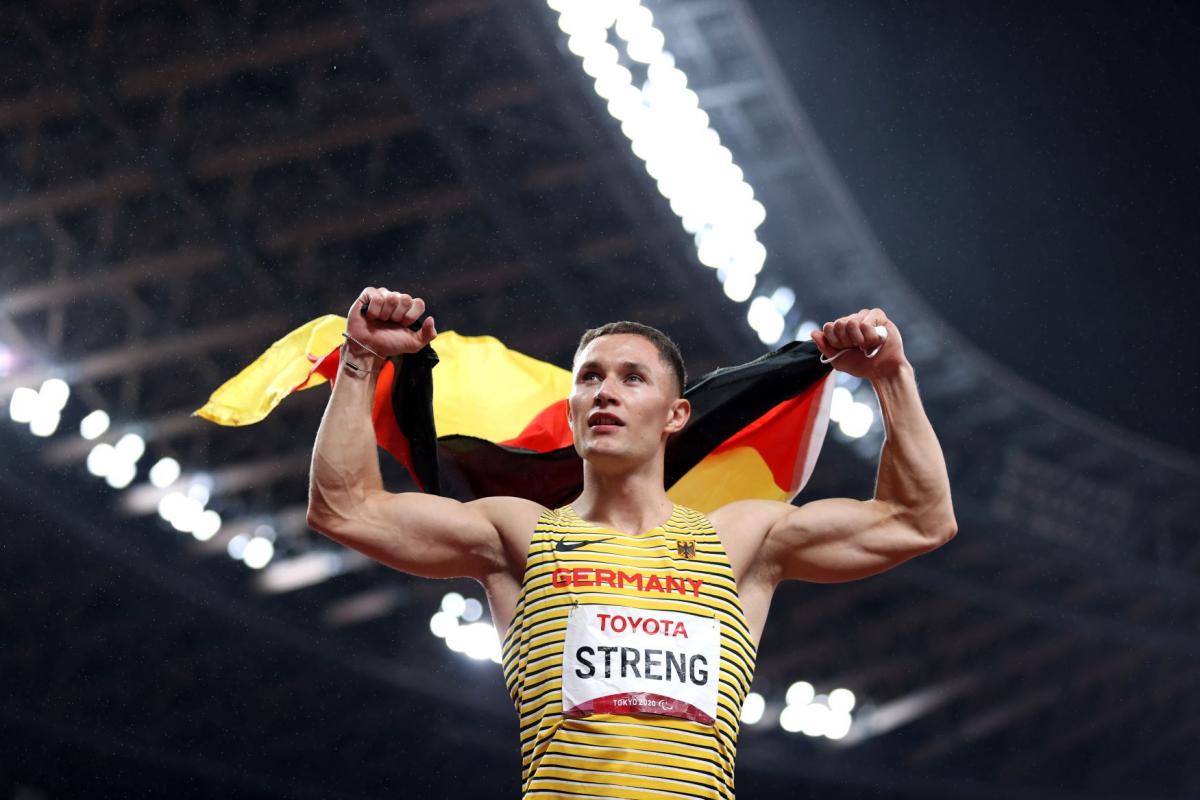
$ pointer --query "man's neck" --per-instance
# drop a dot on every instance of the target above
(631, 502)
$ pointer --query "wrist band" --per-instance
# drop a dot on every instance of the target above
(350, 338)
(346, 360)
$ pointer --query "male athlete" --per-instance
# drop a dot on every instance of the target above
(630, 625)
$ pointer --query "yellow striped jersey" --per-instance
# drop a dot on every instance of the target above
(628, 629)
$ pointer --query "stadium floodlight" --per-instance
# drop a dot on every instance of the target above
(23, 404)
(94, 424)
(671, 134)
(753, 708)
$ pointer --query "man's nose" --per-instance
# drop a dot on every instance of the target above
(605, 394)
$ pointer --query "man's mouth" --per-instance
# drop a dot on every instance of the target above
(604, 421)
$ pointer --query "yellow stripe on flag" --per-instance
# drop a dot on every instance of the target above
(481, 388)
(254, 392)
(720, 478)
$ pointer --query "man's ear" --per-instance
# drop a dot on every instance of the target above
(681, 412)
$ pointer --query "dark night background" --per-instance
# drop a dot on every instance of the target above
(1032, 170)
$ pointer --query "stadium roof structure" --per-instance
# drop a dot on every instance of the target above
(182, 183)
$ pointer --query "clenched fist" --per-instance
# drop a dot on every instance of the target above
(380, 320)
(854, 336)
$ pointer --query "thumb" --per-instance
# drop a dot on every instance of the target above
(428, 331)
(819, 339)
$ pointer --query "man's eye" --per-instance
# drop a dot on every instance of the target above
(635, 375)
(588, 375)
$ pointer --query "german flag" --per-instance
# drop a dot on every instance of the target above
(499, 417)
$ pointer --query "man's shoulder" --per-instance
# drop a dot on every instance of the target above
(747, 516)
(509, 513)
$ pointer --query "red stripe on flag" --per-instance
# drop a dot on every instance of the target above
(545, 432)
(783, 436)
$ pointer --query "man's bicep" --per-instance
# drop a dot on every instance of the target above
(841, 539)
(421, 534)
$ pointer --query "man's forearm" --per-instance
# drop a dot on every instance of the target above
(345, 465)
(912, 469)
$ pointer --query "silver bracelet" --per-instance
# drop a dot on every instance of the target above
(350, 338)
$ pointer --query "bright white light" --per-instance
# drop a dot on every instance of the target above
(54, 394)
(856, 420)
(765, 319)
(800, 693)
(473, 610)
(207, 525)
(837, 724)
(738, 286)
(814, 719)
(646, 45)
(186, 514)
(23, 404)
(93, 424)
(671, 134)
(791, 719)
(841, 700)
(45, 421)
(456, 638)
(164, 472)
(454, 603)
(633, 21)
(121, 474)
(586, 41)
(482, 641)
(601, 58)
(750, 257)
(783, 298)
(258, 553)
(840, 403)
(130, 447)
(612, 81)
(101, 459)
(237, 546)
(442, 623)
(169, 505)
(752, 709)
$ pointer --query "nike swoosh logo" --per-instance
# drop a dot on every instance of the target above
(564, 546)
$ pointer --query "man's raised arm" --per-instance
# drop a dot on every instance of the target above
(843, 539)
(413, 532)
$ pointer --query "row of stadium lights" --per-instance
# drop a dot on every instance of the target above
(671, 134)
(807, 712)
(457, 622)
(117, 464)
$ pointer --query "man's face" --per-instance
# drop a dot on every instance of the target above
(623, 401)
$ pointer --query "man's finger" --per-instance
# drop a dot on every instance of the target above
(412, 314)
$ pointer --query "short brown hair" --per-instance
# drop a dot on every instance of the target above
(667, 349)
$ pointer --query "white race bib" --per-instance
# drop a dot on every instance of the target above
(621, 660)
